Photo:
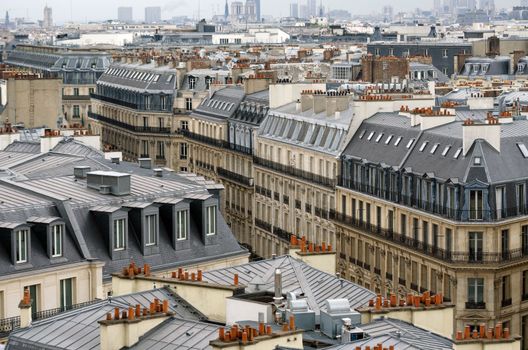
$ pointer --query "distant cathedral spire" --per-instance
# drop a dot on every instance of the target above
(226, 10)
(6, 24)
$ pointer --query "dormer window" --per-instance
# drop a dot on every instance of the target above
(208, 81)
(21, 246)
(192, 82)
(477, 161)
(210, 220)
(56, 240)
(119, 234)
(151, 227)
(182, 225)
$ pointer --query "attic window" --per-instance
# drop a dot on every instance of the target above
(444, 152)
(523, 149)
(21, 246)
(370, 136)
(435, 146)
(379, 137)
(56, 240)
(169, 78)
(362, 134)
(156, 78)
(422, 147)
(398, 140)
(409, 144)
(457, 153)
(389, 138)
(477, 160)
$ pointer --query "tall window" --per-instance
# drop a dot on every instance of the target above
(521, 198)
(506, 290)
(183, 151)
(403, 225)
(525, 285)
(147, 102)
(151, 224)
(524, 238)
(163, 102)
(66, 293)
(448, 239)
(119, 234)
(192, 82)
(184, 125)
(182, 228)
(145, 147)
(208, 81)
(56, 240)
(21, 237)
(161, 150)
(451, 204)
(475, 290)
(75, 91)
(425, 233)
(76, 111)
(505, 243)
(188, 104)
(475, 246)
(210, 220)
(475, 205)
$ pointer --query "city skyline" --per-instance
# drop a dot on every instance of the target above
(96, 10)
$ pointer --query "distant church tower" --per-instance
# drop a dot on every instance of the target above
(226, 11)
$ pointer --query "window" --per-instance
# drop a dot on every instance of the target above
(475, 290)
(444, 53)
(151, 225)
(163, 102)
(389, 138)
(145, 147)
(156, 78)
(370, 135)
(523, 149)
(183, 151)
(21, 243)
(445, 151)
(422, 147)
(192, 82)
(161, 150)
(505, 243)
(188, 104)
(119, 234)
(184, 125)
(379, 137)
(521, 198)
(208, 82)
(457, 153)
(475, 246)
(525, 285)
(76, 111)
(66, 294)
(182, 229)
(524, 239)
(169, 78)
(477, 160)
(210, 220)
(56, 240)
(409, 144)
(398, 140)
(433, 149)
(475, 205)
(147, 102)
(75, 91)
(362, 134)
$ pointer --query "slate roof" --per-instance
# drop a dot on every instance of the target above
(222, 104)
(298, 277)
(58, 61)
(400, 334)
(78, 329)
(23, 147)
(140, 77)
(440, 156)
(73, 147)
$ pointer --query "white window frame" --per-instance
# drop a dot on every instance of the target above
(119, 234)
(21, 246)
(151, 229)
(210, 220)
(182, 227)
(57, 240)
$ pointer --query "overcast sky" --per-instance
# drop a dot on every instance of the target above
(81, 10)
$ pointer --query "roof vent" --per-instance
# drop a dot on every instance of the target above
(80, 171)
(109, 182)
(332, 318)
(158, 172)
(114, 160)
(145, 163)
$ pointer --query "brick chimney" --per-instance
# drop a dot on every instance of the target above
(25, 310)
(123, 328)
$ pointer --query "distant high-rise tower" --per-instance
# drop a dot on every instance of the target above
(48, 17)
(226, 10)
(488, 6)
(153, 14)
(125, 14)
(312, 7)
(294, 10)
(6, 23)
(257, 8)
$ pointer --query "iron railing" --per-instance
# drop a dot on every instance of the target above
(8, 325)
(215, 142)
(134, 128)
(114, 101)
(241, 179)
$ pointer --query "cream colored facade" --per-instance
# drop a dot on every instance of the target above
(76, 103)
(33, 102)
(87, 278)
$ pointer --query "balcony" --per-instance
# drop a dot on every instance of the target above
(229, 175)
(204, 165)
(282, 234)
(263, 191)
(139, 129)
(475, 305)
(295, 172)
(263, 225)
(114, 101)
(85, 98)
(8, 325)
(40, 315)
(215, 142)
(416, 245)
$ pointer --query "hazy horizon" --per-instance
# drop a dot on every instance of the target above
(64, 10)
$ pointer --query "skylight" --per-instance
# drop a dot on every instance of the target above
(422, 147)
(457, 153)
(444, 152)
(379, 137)
(362, 134)
(433, 149)
(389, 138)
(370, 136)
(409, 144)
(169, 78)
(523, 149)
(398, 140)
(156, 78)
